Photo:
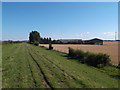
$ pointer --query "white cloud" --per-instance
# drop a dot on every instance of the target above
(84, 35)
(87, 32)
(108, 33)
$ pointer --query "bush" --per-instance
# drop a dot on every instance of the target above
(78, 54)
(118, 65)
(102, 59)
(97, 60)
(90, 59)
(36, 43)
(71, 52)
(50, 46)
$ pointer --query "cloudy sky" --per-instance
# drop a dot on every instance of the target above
(60, 20)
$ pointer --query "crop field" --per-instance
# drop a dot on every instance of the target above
(29, 66)
(110, 48)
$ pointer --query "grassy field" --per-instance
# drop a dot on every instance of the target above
(28, 66)
(110, 48)
(0, 64)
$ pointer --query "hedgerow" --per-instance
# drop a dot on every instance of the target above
(89, 58)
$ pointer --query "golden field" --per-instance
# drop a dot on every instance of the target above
(109, 47)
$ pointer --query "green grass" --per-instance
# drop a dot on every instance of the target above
(0, 64)
(28, 66)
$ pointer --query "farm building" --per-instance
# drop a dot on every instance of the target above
(95, 41)
(71, 41)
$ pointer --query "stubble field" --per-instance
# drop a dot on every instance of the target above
(110, 48)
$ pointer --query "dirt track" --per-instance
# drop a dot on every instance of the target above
(110, 48)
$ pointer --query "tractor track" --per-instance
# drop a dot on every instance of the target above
(46, 65)
(35, 83)
(63, 72)
(53, 73)
(45, 79)
(39, 73)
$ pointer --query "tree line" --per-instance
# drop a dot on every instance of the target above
(11, 42)
(35, 38)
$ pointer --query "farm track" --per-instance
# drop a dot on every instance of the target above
(40, 57)
(47, 62)
(47, 65)
(50, 62)
(32, 74)
(40, 69)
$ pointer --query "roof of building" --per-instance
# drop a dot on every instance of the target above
(69, 39)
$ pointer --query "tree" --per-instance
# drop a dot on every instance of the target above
(34, 37)
(49, 40)
(50, 46)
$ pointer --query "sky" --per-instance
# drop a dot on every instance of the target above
(60, 0)
(0, 21)
(60, 20)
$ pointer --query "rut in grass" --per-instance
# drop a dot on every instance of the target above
(39, 73)
(45, 79)
(63, 71)
(35, 83)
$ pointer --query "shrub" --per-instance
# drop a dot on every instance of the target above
(36, 43)
(71, 52)
(80, 55)
(118, 65)
(50, 46)
(90, 59)
(103, 59)
(97, 60)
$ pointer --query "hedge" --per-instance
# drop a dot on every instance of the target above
(89, 58)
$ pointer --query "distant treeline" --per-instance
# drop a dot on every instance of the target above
(48, 40)
(11, 42)
(35, 38)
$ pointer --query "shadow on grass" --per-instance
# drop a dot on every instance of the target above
(47, 48)
(115, 76)
(72, 58)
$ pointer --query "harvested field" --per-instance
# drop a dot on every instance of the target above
(110, 48)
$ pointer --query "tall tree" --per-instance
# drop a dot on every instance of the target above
(34, 37)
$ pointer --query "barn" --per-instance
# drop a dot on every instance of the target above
(95, 41)
(72, 41)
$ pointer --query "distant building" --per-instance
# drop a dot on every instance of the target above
(95, 41)
(79, 41)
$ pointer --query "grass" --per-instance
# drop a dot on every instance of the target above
(29, 66)
(1, 64)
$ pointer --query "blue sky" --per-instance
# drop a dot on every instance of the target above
(60, 20)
